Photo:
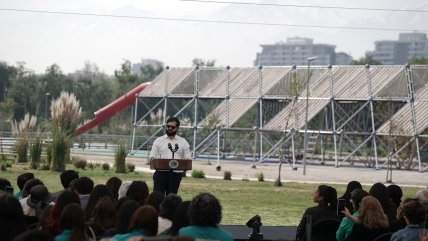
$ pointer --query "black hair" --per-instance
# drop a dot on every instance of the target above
(205, 210)
(180, 219)
(12, 221)
(378, 190)
(4, 183)
(98, 192)
(395, 193)
(113, 183)
(83, 185)
(35, 235)
(173, 119)
(67, 176)
(168, 205)
(23, 178)
(356, 196)
(72, 218)
(138, 191)
(329, 195)
(123, 216)
(155, 199)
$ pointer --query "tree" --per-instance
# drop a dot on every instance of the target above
(422, 60)
(366, 60)
(150, 71)
(6, 74)
(203, 63)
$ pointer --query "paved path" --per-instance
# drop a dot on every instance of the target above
(314, 173)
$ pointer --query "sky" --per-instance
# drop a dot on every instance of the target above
(41, 39)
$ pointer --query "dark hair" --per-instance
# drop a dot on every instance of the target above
(125, 211)
(65, 198)
(4, 183)
(395, 193)
(138, 191)
(104, 214)
(113, 183)
(12, 221)
(352, 185)
(72, 218)
(329, 195)
(181, 218)
(67, 176)
(98, 192)
(145, 218)
(173, 119)
(155, 198)
(35, 235)
(23, 178)
(205, 210)
(413, 210)
(356, 196)
(168, 205)
(30, 184)
(83, 185)
(378, 190)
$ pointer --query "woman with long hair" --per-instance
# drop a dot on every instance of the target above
(72, 224)
(12, 221)
(326, 197)
(371, 221)
(144, 223)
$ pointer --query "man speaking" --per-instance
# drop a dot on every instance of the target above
(165, 147)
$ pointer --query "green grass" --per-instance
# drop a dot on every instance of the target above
(241, 200)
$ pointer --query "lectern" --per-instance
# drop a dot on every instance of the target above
(171, 164)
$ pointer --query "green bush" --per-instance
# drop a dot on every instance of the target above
(105, 166)
(80, 164)
(120, 153)
(260, 177)
(36, 153)
(21, 148)
(198, 174)
(130, 167)
(91, 165)
(245, 179)
(227, 175)
(278, 183)
(60, 147)
(45, 166)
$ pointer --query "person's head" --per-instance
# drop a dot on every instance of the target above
(180, 219)
(61, 202)
(145, 218)
(113, 184)
(4, 183)
(356, 196)
(104, 213)
(98, 192)
(414, 212)
(205, 210)
(67, 176)
(422, 196)
(371, 214)
(39, 198)
(155, 198)
(125, 211)
(168, 205)
(352, 185)
(172, 125)
(12, 221)
(395, 193)
(23, 178)
(30, 184)
(326, 195)
(378, 191)
(72, 218)
(83, 185)
(138, 191)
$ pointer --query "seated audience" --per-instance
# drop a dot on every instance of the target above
(352, 185)
(395, 194)
(347, 224)
(414, 214)
(98, 192)
(20, 181)
(378, 190)
(66, 178)
(72, 224)
(38, 200)
(143, 223)
(138, 191)
(180, 219)
(125, 211)
(12, 221)
(326, 197)
(155, 198)
(4, 183)
(167, 209)
(83, 187)
(114, 183)
(103, 220)
(205, 216)
(371, 221)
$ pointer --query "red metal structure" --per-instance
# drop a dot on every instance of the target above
(112, 109)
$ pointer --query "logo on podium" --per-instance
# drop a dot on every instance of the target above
(173, 164)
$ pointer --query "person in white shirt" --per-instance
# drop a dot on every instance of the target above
(161, 149)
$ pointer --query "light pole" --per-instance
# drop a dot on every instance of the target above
(305, 139)
(46, 106)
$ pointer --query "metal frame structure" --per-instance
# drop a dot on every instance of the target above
(356, 114)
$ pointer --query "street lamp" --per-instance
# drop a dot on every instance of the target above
(305, 139)
(46, 106)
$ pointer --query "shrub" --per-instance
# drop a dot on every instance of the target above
(130, 167)
(278, 183)
(45, 166)
(36, 153)
(245, 179)
(120, 153)
(21, 148)
(260, 177)
(91, 165)
(80, 164)
(227, 175)
(60, 147)
(2, 167)
(105, 166)
(198, 174)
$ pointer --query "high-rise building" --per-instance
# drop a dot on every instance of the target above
(296, 51)
(408, 46)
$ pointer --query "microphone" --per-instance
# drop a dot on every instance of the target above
(176, 146)
(170, 146)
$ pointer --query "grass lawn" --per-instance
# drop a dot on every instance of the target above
(241, 200)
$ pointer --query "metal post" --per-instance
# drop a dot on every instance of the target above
(46, 106)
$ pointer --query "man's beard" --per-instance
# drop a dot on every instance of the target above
(170, 132)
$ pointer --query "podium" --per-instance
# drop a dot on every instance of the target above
(171, 164)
